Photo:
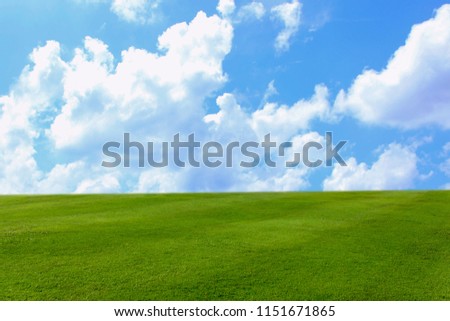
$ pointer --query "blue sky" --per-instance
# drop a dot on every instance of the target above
(76, 74)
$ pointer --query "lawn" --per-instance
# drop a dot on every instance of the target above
(268, 246)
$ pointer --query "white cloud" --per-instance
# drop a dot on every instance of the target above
(104, 184)
(285, 121)
(280, 178)
(231, 121)
(73, 107)
(62, 178)
(446, 148)
(253, 10)
(34, 94)
(285, 181)
(161, 181)
(445, 167)
(226, 7)
(412, 90)
(133, 11)
(77, 106)
(289, 13)
(271, 90)
(137, 11)
(395, 169)
(284, 124)
(145, 89)
(281, 121)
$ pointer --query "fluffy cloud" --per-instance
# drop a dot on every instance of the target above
(446, 148)
(445, 166)
(138, 11)
(412, 90)
(289, 14)
(282, 179)
(144, 89)
(67, 109)
(284, 121)
(395, 169)
(107, 183)
(226, 7)
(35, 93)
(62, 178)
(281, 121)
(74, 107)
(133, 11)
(250, 11)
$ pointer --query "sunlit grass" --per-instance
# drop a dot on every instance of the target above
(270, 246)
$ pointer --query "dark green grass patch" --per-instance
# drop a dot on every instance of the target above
(270, 246)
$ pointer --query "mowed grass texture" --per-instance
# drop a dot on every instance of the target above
(274, 246)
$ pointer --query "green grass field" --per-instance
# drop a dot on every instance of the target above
(269, 246)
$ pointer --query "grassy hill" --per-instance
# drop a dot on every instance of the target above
(270, 246)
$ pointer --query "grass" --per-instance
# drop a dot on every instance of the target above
(270, 246)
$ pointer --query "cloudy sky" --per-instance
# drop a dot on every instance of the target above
(75, 74)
